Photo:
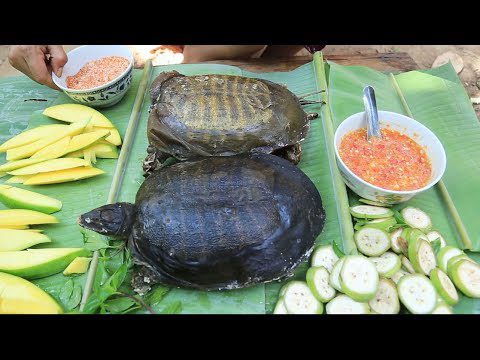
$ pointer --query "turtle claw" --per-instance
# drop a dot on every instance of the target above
(292, 153)
(153, 161)
(142, 280)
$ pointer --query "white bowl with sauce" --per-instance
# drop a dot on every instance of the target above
(106, 94)
(405, 125)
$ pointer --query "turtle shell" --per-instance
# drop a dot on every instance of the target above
(224, 223)
(222, 115)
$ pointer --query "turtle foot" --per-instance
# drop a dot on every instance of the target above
(143, 279)
(153, 161)
(292, 153)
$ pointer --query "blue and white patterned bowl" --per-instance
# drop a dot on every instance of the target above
(101, 96)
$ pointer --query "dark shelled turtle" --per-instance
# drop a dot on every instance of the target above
(217, 223)
(223, 115)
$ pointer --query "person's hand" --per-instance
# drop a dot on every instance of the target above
(38, 62)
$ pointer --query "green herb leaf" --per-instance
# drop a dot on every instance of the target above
(66, 292)
(358, 226)
(398, 217)
(75, 298)
(156, 295)
(337, 250)
(70, 295)
(94, 241)
(436, 245)
(120, 305)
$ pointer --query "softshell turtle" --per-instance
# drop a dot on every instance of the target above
(217, 223)
(223, 115)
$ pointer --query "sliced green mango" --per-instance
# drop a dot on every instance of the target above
(19, 217)
(14, 240)
(114, 138)
(79, 265)
(13, 165)
(38, 263)
(30, 136)
(75, 112)
(89, 156)
(30, 149)
(50, 165)
(55, 177)
(55, 150)
(18, 179)
(102, 149)
(84, 140)
(15, 227)
(16, 198)
(19, 296)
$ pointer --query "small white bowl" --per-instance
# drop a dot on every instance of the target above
(418, 132)
(101, 96)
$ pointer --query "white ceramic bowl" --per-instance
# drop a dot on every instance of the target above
(102, 96)
(405, 125)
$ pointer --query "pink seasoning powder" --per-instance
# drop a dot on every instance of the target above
(97, 72)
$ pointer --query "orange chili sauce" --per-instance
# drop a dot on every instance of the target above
(395, 162)
(97, 72)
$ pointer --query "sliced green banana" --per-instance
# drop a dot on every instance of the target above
(373, 203)
(317, 281)
(398, 275)
(385, 300)
(444, 286)
(324, 256)
(359, 278)
(416, 218)
(416, 234)
(399, 244)
(442, 309)
(382, 223)
(371, 241)
(403, 240)
(407, 265)
(280, 307)
(434, 235)
(417, 293)
(445, 254)
(454, 259)
(299, 299)
(334, 278)
(343, 304)
(387, 264)
(370, 212)
(465, 275)
(421, 255)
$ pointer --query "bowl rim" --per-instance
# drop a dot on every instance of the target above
(55, 78)
(425, 129)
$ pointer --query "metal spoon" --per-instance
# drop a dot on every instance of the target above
(371, 113)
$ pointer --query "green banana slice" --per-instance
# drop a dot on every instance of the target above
(385, 300)
(359, 278)
(444, 286)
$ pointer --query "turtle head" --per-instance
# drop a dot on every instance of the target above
(113, 220)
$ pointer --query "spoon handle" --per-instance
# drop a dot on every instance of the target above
(371, 113)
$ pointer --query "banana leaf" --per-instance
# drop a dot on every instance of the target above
(437, 99)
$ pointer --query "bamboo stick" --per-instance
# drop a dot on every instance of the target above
(340, 190)
(120, 168)
(462, 231)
